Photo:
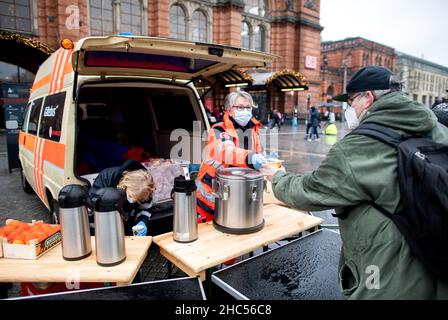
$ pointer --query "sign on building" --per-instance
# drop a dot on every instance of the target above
(310, 62)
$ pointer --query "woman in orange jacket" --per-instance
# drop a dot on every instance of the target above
(234, 142)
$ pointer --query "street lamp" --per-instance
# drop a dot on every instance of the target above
(324, 93)
(344, 88)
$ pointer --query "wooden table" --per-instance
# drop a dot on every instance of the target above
(51, 267)
(214, 247)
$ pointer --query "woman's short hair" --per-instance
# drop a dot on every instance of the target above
(138, 184)
(231, 99)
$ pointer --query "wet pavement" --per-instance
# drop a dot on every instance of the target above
(300, 155)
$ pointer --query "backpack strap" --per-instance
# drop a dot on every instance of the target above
(381, 209)
(385, 135)
(380, 133)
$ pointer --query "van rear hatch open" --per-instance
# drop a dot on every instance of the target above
(159, 57)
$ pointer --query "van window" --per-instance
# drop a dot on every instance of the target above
(34, 116)
(51, 120)
(26, 117)
(145, 61)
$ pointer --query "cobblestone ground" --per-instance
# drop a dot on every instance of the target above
(300, 156)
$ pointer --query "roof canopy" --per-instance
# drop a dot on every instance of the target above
(284, 80)
(288, 80)
(234, 76)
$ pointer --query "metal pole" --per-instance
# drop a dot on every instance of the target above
(344, 104)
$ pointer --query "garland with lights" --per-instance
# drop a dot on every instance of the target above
(244, 74)
(26, 41)
(288, 72)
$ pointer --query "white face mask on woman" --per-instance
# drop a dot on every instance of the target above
(242, 117)
(351, 117)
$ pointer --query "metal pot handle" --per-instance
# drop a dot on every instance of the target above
(216, 186)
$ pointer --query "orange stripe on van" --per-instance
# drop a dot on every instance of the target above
(36, 166)
(68, 66)
(42, 82)
(29, 141)
(22, 138)
(41, 168)
(54, 71)
(54, 153)
(66, 62)
(58, 75)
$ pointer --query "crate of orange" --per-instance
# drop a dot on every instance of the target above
(22, 240)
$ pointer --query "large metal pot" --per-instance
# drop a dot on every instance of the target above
(239, 200)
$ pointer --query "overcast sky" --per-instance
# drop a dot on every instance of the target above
(415, 27)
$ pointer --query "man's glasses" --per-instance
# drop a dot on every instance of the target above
(353, 98)
(242, 108)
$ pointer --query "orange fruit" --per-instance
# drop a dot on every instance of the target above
(40, 236)
(8, 229)
(27, 236)
(19, 240)
(13, 222)
(48, 229)
(13, 235)
(36, 228)
(18, 224)
(2, 232)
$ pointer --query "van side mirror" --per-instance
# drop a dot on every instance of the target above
(12, 124)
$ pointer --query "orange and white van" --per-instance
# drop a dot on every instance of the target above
(92, 101)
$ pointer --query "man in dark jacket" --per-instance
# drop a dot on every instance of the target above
(138, 185)
(376, 261)
(314, 123)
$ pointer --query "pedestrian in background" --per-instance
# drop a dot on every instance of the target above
(314, 123)
(274, 119)
(360, 175)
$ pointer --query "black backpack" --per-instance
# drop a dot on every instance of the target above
(423, 181)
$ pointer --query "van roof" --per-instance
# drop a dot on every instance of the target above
(141, 56)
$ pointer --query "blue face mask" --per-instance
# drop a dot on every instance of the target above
(242, 117)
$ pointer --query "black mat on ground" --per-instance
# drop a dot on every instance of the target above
(304, 269)
(173, 289)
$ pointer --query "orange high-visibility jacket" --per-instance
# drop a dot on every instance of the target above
(223, 151)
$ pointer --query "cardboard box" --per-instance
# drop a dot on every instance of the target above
(33, 250)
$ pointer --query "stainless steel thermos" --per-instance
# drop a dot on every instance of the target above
(109, 229)
(73, 216)
(185, 221)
